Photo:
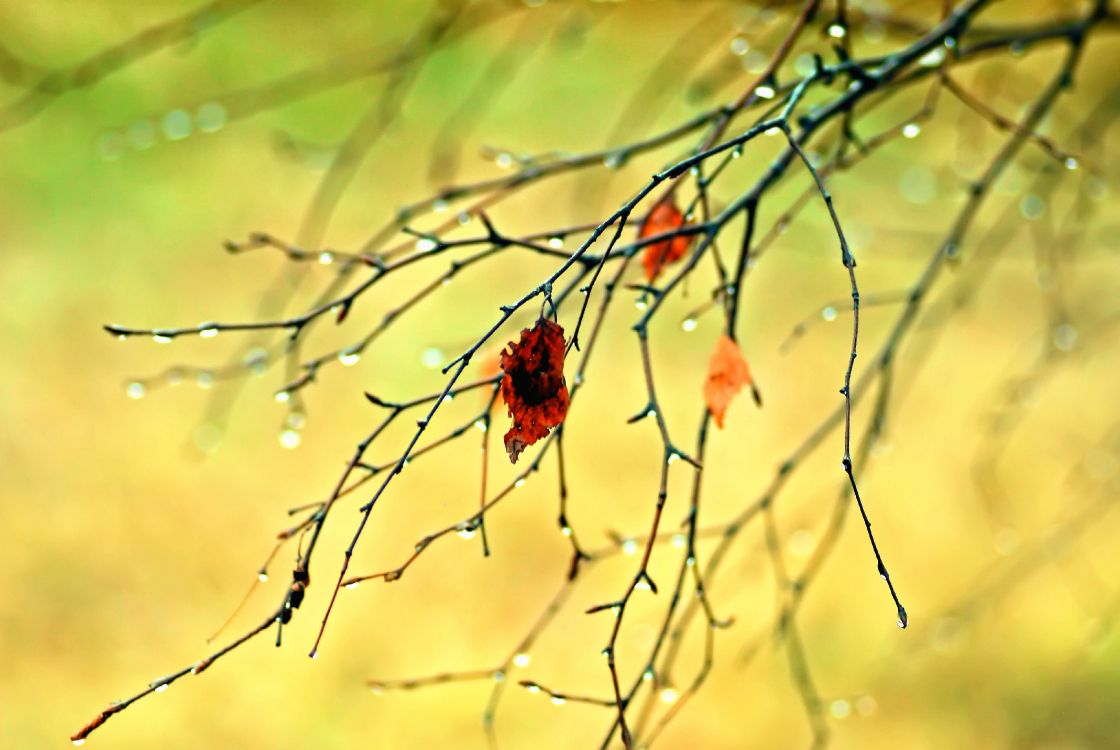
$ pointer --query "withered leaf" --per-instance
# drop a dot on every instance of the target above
(665, 217)
(533, 387)
(727, 374)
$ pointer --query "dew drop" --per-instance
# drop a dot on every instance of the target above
(688, 325)
(840, 708)
(426, 244)
(521, 660)
(432, 357)
(911, 130)
(837, 31)
(348, 357)
(204, 379)
(629, 547)
(558, 700)
(669, 695)
(208, 330)
(290, 439)
(262, 577)
(764, 92)
(828, 314)
(556, 242)
(282, 397)
(326, 258)
(933, 58)
(136, 389)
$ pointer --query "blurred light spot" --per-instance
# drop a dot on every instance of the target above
(1065, 337)
(290, 439)
(521, 660)
(1032, 206)
(1006, 541)
(256, 360)
(801, 543)
(110, 145)
(911, 130)
(805, 65)
(840, 708)
(135, 389)
(142, 135)
(176, 125)
(211, 117)
(432, 357)
(755, 61)
(947, 635)
(918, 185)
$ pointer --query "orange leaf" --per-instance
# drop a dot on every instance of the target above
(533, 386)
(727, 374)
(665, 217)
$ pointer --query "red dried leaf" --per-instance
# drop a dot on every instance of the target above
(533, 387)
(665, 217)
(727, 374)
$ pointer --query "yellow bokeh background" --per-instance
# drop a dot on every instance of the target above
(134, 526)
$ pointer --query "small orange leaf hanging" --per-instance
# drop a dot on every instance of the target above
(533, 386)
(665, 217)
(727, 374)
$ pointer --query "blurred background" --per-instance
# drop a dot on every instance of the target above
(143, 484)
